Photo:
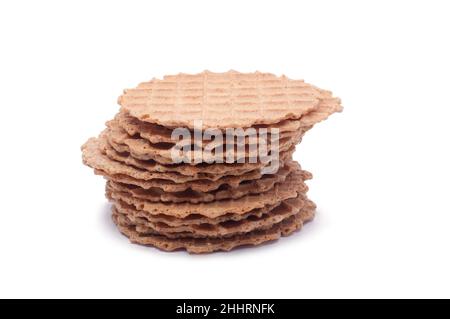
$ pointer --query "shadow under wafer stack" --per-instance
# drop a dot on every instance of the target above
(202, 206)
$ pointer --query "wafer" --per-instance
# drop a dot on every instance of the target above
(292, 186)
(159, 134)
(220, 100)
(199, 171)
(142, 149)
(208, 245)
(328, 105)
(203, 185)
(282, 211)
(193, 219)
(93, 157)
(265, 183)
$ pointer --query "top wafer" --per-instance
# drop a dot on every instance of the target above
(225, 100)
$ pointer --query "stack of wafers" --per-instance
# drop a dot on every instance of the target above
(208, 201)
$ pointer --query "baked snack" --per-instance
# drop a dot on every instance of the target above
(238, 186)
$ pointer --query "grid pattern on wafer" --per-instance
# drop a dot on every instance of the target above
(220, 100)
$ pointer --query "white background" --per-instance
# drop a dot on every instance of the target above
(381, 168)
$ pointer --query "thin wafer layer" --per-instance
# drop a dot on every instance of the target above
(292, 186)
(200, 171)
(328, 105)
(142, 149)
(191, 220)
(170, 181)
(203, 185)
(265, 183)
(282, 211)
(221, 100)
(208, 245)
(159, 134)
